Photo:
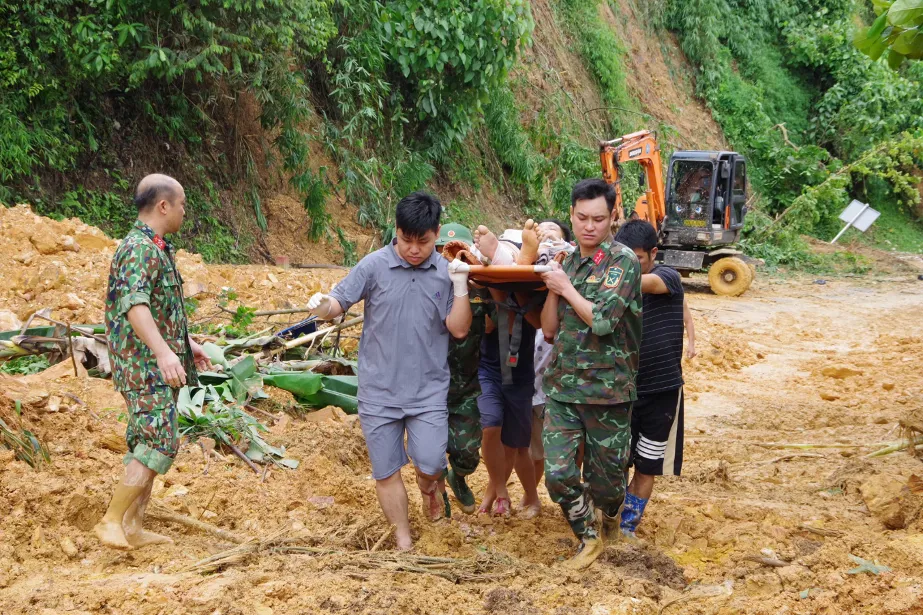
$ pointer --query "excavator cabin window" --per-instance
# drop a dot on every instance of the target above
(690, 192)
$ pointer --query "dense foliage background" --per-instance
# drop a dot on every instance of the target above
(823, 96)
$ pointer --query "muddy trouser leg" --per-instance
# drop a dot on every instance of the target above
(464, 437)
(562, 435)
(152, 434)
(606, 453)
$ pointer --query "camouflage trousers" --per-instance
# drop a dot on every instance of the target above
(605, 432)
(464, 436)
(152, 434)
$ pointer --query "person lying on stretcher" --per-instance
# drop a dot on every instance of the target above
(536, 244)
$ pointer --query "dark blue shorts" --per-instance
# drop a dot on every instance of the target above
(511, 408)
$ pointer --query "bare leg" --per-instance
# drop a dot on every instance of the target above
(495, 460)
(138, 480)
(538, 469)
(641, 485)
(526, 473)
(393, 500)
(431, 494)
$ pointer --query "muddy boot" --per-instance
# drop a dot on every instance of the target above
(461, 491)
(590, 550)
(632, 511)
(610, 525)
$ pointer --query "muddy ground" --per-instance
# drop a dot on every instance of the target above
(835, 366)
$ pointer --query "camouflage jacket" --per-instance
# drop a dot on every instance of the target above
(143, 272)
(598, 364)
(465, 354)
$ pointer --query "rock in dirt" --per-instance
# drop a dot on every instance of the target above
(840, 371)
(889, 499)
(113, 442)
(328, 413)
(68, 547)
(9, 321)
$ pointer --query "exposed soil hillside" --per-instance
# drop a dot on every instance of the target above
(795, 383)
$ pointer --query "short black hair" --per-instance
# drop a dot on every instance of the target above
(638, 234)
(565, 229)
(147, 198)
(592, 188)
(418, 213)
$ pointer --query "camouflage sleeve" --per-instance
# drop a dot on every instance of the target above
(620, 288)
(137, 270)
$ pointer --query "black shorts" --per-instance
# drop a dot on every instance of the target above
(657, 433)
(509, 407)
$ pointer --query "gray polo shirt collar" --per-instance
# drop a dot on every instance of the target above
(395, 260)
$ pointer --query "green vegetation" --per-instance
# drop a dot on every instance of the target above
(766, 67)
(399, 95)
(25, 365)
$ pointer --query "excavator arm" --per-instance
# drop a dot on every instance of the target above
(641, 147)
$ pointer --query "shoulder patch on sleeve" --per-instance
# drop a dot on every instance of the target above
(613, 277)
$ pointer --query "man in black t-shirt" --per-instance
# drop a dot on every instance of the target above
(657, 415)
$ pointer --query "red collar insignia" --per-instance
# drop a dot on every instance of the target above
(159, 242)
(598, 256)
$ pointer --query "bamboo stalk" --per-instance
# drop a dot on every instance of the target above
(895, 447)
(321, 332)
(159, 512)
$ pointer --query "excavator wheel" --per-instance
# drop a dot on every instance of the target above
(753, 269)
(730, 276)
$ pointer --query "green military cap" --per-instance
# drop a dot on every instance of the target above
(453, 231)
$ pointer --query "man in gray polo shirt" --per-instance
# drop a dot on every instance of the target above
(409, 313)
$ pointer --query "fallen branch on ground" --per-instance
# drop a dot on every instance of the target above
(322, 332)
(824, 532)
(482, 567)
(896, 447)
(160, 512)
(770, 562)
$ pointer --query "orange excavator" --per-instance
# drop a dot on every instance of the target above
(698, 215)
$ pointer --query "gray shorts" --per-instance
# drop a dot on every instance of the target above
(384, 428)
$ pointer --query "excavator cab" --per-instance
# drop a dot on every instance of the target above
(705, 200)
(698, 213)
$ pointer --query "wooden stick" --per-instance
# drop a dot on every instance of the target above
(240, 454)
(770, 562)
(70, 344)
(382, 539)
(160, 512)
(318, 266)
(321, 332)
(824, 532)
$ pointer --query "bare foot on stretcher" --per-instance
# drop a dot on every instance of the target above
(530, 249)
(485, 241)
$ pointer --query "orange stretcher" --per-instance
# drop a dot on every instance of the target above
(507, 273)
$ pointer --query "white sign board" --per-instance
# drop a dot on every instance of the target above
(860, 215)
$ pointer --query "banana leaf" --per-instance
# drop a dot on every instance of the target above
(318, 390)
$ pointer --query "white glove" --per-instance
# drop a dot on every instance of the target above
(458, 273)
(319, 305)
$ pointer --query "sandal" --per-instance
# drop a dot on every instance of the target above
(501, 507)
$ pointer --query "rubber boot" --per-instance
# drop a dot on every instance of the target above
(447, 509)
(110, 529)
(133, 521)
(610, 524)
(632, 511)
(461, 491)
(590, 551)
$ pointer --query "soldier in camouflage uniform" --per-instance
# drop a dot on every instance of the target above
(152, 355)
(595, 309)
(464, 420)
